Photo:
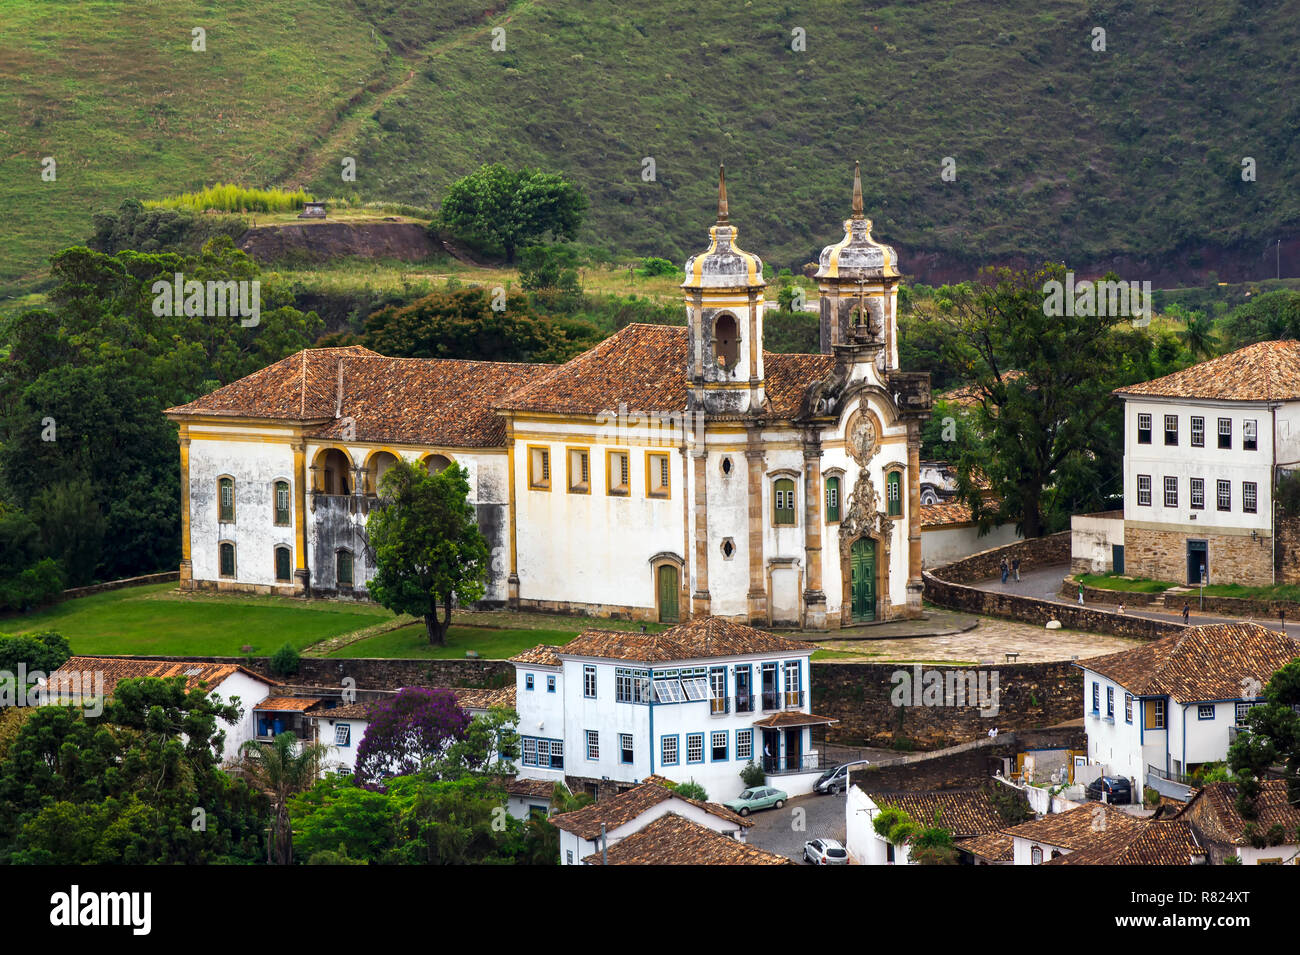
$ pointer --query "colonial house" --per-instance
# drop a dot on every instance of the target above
(668, 473)
(226, 682)
(1098, 834)
(341, 728)
(695, 702)
(1198, 489)
(1271, 838)
(967, 814)
(675, 840)
(1156, 712)
(600, 825)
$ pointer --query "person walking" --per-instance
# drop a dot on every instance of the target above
(1080, 595)
(1187, 611)
(1121, 607)
(1003, 566)
(1015, 568)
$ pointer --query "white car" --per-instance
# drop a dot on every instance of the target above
(825, 852)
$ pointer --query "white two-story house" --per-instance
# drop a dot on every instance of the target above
(1156, 712)
(1201, 449)
(696, 702)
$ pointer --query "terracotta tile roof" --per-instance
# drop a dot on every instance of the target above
(644, 366)
(285, 704)
(532, 788)
(992, 846)
(1265, 371)
(672, 840)
(621, 809)
(1154, 842)
(346, 711)
(964, 813)
(701, 639)
(542, 655)
(481, 699)
(791, 718)
(1199, 663)
(430, 401)
(1078, 828)
(1213, 812)
(953, 512)
(116, 669)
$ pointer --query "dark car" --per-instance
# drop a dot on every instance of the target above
(1117, 790)
(836, 779)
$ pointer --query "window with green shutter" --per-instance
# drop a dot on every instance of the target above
(227, 555)
(894, 493)
(783, 501)
(282, 502)
(226, 500)
(345, 568)
(832, 499)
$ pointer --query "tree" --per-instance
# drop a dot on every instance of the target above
(1048, 418)
(427, 547)
(337, 815)
(1197, 335)
(406, 730)
(280, 769)
(1272, 736)
(489, 746)
(45, 651)
(500, 208)
(71, 527)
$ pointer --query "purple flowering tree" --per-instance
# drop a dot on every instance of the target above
(405, 730)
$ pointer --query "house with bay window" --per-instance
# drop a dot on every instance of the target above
(1155, 713)
(695, 702)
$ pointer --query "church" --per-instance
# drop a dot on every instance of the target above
(666, 474)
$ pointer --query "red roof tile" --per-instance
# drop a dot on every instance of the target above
(672, 840)
(1265, 371)
(702, 639)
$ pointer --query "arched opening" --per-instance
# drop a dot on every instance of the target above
(343, 568)
(667, 586)
(726, 341)
(226, 559)
(332, 472)
(437, 463)
(377, 465)
(283, 565)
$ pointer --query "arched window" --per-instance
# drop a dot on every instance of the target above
(283, 564)
(226, 500)
(832, 500)
(1036, 856)
(344, 568)
(894, 493)
(726, 341)
(282, 511)
(783, 501)
(380, 463)
(226, 559)
(334, 471)
(436, 463)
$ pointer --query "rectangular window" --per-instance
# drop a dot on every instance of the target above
(793, 683)
(1242, 711)
(1157, 714)
(1128, 707)
(226, 490)
(1110, 702)
(1171, 492)
(1250, 436)
(631, 686)
(1144, 490)
(281, 503)
(616, 473)
(625, 747)
(1249, 496)
(718, 690)
(744, 689)
(718, 745)
(694, 747)
(226, 552)
(1096, 697)
(579, 471)
(528, 751)
(1225, 433)
(1205, 711)
(1198, 432)
(783, 501)
(894, 493)
(589, 681)
(528, 681)
(832, 500)
(342, 734)
(1171, 429)
(550, 684)
(1144, 429)
(1225, 495)
(539, 469)
(668, 751)
(1198, 494)
(744, 744)
(658, 483)
(593, 745)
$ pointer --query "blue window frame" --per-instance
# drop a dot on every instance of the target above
(694, 747)
(542, 753)
(589, 681)
(550, 684)
(626, 754)
(719, 746)
(1205, 711)
(668, 751)
(528, 681)
(745, 744)
(1128, 707)
(1110, 702)
(1096, 697)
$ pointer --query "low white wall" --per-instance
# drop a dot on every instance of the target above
(943, 544)
(1091, 538)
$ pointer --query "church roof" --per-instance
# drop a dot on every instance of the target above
(723, 265)
(857, 255)
(439, 401)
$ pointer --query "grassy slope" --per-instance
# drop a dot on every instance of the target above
(1060, 151)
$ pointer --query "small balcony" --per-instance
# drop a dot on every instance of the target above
(789, 765)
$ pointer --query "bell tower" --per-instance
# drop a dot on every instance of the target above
(723, 294)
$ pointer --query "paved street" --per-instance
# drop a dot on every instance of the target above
(778, 830)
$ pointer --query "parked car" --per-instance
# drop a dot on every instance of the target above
(1117, 790)
(759, 797)
(825, 852)
(836, 779)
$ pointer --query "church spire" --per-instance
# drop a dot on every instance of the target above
(722, 193)
(857, 191)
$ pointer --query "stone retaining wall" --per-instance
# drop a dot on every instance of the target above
(163, 578)
(964, 767)
(1035, 552)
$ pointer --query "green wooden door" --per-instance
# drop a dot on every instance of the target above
(667, 594)
(862, 561)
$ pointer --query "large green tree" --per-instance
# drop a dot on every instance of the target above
(428, 551)
(501, 208)
(1272, 737)
(281, 769)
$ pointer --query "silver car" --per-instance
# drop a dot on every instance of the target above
(825, 852)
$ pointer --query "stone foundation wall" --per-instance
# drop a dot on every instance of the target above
(1037, 551)
(163, 578)
(1162, 555)
(1100, 595)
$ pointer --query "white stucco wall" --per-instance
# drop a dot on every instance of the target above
(1092, 538)
(945, 543)
(581, 848)
(249, 691)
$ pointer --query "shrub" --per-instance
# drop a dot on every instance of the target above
(35, 586)
(652, 266)
(285, 661)
(752, 774)
(225, 197)
(691, 790)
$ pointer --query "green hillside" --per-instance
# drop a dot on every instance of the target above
(1060, 151)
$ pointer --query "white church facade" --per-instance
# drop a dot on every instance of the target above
(667, 474)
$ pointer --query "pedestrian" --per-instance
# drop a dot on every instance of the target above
(1187, 610)
(1015, 566)
(1121, 607)
(1080, 595)
(1003, 566)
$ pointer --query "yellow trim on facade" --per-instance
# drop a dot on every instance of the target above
(548, 464)
(667, 492)
(582, 487)
(609, 472)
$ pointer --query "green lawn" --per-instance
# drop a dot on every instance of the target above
(1127, 584)
(489, 642)
(1275, 592)
(158, 620)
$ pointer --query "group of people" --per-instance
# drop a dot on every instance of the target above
(1009, 569)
